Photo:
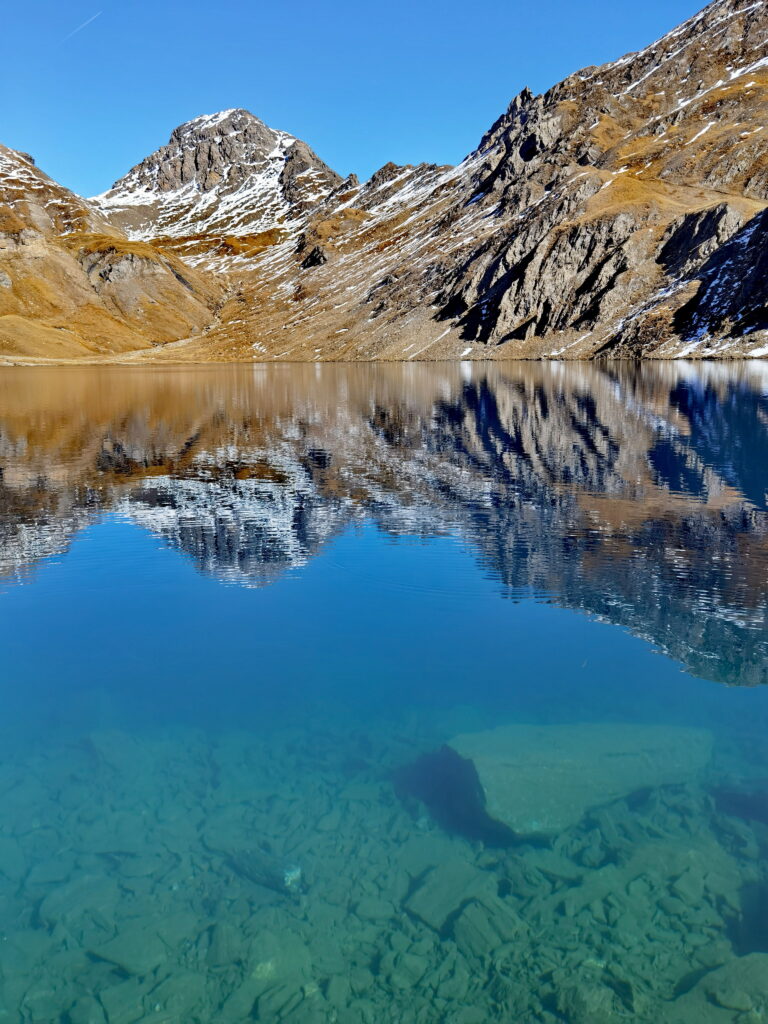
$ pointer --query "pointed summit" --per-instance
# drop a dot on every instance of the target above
(227, 172)
(210, 150)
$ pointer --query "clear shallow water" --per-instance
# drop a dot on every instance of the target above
(237, 605)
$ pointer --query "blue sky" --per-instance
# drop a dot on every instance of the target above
(90, 88)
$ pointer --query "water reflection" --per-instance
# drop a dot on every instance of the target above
(374, 791)
(634, 492)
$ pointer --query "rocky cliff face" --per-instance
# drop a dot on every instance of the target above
(72, 285)
(622, 213)
(633, 186)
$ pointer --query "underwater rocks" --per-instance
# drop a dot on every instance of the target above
(267, 871)
(142, 880)
(737, 991)
(137, 950)
(444, 890)
(540, 780)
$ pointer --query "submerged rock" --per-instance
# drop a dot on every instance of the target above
(269, 872)
(136, 950)
(443, 892)
(540, 780)
(736, 991)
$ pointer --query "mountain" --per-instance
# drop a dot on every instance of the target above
(72, 285)
(622, 213)
(220, 175)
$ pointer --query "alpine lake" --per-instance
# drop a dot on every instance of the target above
(384, 694)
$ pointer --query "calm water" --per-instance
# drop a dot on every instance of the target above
(384, 694)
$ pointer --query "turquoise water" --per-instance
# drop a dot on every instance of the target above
(396, 693)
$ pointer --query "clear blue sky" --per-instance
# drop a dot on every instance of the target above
(406, 80)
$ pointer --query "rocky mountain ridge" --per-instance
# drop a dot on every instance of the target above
(622, 213)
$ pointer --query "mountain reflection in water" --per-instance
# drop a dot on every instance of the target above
(636, 493)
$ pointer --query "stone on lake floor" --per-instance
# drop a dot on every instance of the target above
(178, 927)
(238, 1006)
(137, 949)
(227, 946)
(371, 909)
(12, 860)
(278, 1002)
(85, 894)
(444, 890)
(179, 996)
(268, 871)
(540, 780)
(87, 1010)
(278, 966)
(737, 991)
(337, 991)
(483, 927)
(123, 1002)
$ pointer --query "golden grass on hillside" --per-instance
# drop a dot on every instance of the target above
(23, 337)
(338, 223)
(248, 245)
(221, 245)
(10, 222)
(628, 193)
(89, 244)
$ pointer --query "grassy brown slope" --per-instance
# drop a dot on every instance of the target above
(71, 286)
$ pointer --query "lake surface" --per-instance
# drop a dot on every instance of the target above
(409, 693)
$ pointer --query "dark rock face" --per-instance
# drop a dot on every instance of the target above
(580, 259)
(695, 236)
(316, 258)
(733, 295)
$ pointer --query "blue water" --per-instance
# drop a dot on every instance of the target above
(255, 596)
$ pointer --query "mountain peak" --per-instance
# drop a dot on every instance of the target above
(228, 171)
(207, 151)
(225, 121)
